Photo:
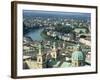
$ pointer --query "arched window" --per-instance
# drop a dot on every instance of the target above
(39, 60)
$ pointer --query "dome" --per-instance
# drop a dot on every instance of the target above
(77, 55)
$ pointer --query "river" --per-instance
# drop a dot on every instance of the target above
(35, 34)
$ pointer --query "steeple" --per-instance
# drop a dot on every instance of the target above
(40, 49)
(64, 44)
(54, 46)
(40, 58)
(54, 53)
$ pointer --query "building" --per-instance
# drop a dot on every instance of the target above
(80, 30)
(88, 57)
(67, 37)
(54, 51)
(77, 57)
(84, 41)
(41, 58)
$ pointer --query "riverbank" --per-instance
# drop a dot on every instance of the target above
(43, 34)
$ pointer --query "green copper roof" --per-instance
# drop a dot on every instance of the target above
(77, 55)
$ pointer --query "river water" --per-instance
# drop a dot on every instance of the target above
(35, 34)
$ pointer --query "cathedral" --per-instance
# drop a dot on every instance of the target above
(43, 58)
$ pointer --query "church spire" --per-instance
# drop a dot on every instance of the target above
(40, 49)
(54, 45)
(64, 44)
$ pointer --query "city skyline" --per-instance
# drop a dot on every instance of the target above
(54, 13)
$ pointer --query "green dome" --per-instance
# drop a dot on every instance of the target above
(77, 55)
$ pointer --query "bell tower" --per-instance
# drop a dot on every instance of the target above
(54, 51)
(40, 58)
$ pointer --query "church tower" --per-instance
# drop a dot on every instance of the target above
(40, 58)
(64, 45)
(54, 51)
